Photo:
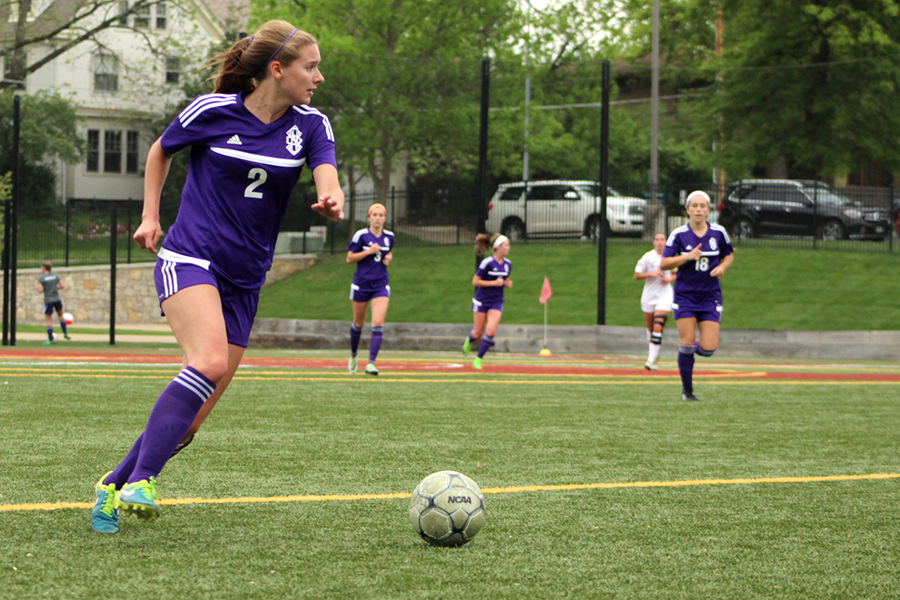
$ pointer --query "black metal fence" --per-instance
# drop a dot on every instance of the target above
(756, 213)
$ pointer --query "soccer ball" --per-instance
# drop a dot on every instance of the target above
(447, 509)
(68, 318)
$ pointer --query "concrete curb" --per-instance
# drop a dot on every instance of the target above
(594, 339)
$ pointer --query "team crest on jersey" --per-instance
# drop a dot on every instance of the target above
(713, 244)
(294, 140)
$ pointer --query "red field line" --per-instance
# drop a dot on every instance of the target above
(462, 366)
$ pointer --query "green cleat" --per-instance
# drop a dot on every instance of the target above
(139, 498)
(67, 336)
(371, 369)
(476, 364)
(49, 342)
(105, 515)
(352, 366)
(467, 346)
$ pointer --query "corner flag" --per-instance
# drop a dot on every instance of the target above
(546, 292)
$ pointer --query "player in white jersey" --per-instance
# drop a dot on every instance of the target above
(249, 141)
(656, 299)
(702, 253)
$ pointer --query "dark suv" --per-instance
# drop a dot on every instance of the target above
(792, 207)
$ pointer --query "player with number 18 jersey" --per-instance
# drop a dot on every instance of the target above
(697, 293)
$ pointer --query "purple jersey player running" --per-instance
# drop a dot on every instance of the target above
(372, 250)
(249, 140)
(701, 252)
(491, 278)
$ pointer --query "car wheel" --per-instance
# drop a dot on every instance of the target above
(514, 230)
(832, 230)
(745, 229)
(593, 228)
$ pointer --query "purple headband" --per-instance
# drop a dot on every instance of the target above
(274, 54)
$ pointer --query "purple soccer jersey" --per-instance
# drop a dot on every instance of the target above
(695, 287)
(242, 173)
(491, 270)
(371, 272)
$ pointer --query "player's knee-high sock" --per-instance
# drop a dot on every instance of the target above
(486, 343)
(170, 419)
(655, 345)
(702, 352)
(355, 333)
(471, 336)
(62, 323)
(120, 474)
(686, 367)
(50, 333)
(375, 342)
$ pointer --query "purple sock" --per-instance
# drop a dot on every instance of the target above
(355, 332)
(50, 333)
(486, 343)
(169, 420)
(62, 323)
(686, 367)
(375, 342)
(120, 474)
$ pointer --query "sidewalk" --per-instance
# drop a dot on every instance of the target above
(100, 333)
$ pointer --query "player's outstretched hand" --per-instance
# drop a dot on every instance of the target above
(147, 235)
(328, 208)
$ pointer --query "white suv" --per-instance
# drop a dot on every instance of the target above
(557, 208)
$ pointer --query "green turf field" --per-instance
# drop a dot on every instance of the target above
(766, 288)
(599, 481)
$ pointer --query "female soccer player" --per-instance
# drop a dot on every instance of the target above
(50, 283)
(702, 253)
(249, 140)
(372, 250)
(656, 299)
(491, 278)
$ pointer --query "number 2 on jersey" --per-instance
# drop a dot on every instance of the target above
(259, 175)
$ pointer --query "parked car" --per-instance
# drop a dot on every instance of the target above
(792, 207)
(560, 208)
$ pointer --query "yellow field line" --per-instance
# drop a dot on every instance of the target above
(502, 490)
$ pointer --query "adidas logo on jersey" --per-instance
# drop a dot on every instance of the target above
(234, 140)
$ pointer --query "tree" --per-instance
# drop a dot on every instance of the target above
(66, 24)
(401, 77)
(47, 131)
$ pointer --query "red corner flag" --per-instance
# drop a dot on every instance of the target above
(546, 292)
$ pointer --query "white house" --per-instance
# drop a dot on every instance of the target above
(119, 85)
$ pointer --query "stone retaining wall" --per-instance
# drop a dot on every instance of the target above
(86, 292)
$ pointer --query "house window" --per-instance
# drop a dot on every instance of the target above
(112, 151)
(142, 17)
(93, 151)
(7, 69)
(173, 69)
(106, 72)
(131, 152)
(161, 15)
(123, 13)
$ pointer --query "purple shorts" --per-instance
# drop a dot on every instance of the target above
(711, 311)
(482, 306)
(49, 307)
(358, 294)
(238, 305)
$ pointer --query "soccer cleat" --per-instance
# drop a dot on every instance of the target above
(371, 369)
(476, 364)
(352, 366)
(105, 515)
(139, 499)
(689, 397)
(48, 342)
(467, 346)
(651, 366)
(67, 336)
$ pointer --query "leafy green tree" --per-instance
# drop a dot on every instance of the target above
(47, 130)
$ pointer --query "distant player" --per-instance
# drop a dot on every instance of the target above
(372, 250)
(249, 141)
(656, 299)
(50, 283)
(491, 278)
(701, 252)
